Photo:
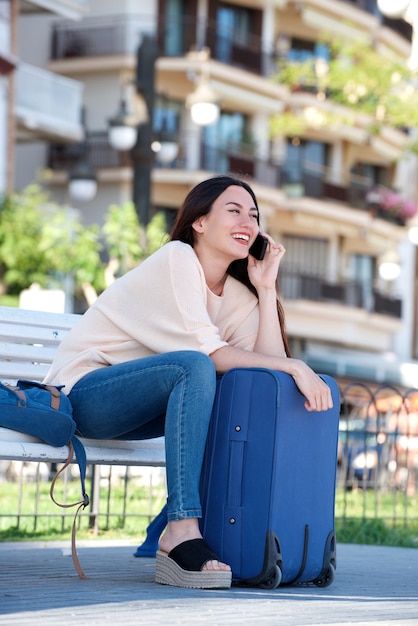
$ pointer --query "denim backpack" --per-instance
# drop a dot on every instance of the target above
(45, 412)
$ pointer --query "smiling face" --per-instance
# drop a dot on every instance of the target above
(230, 227)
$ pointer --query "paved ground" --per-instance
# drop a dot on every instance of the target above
(38, 586)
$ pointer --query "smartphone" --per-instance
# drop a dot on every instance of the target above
(259, 247)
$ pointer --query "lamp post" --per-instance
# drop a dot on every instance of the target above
(82, 179)
(124, 136)
(142, 153)
(82, 182)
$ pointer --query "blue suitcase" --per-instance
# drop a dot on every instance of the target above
(268, 481)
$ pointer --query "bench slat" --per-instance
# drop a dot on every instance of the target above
(19, 447)
(51, 335)
(26, 352)
(38, 318)
(30, 371)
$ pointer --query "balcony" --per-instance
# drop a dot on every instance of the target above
(121, 34)
(72, 9)
(312, 180)
(212, 158)
(47, 106)
(351, 293)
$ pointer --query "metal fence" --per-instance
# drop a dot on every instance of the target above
(377, 475)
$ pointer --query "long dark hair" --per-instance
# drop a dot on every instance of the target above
(198, 203)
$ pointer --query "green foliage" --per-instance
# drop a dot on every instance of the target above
(288, 124)
(130, 511)
(121, 232)
(157, 232)
(360, 79)
(42, 242)
(376, 532)
(126, 241)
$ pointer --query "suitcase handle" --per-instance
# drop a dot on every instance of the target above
(235, 473)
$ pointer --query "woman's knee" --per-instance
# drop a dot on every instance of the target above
(199, 365)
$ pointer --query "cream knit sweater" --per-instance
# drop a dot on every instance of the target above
(162, 305)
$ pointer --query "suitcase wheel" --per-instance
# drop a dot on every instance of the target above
(273, 580)
(326, 579)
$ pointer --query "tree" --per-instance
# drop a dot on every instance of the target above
(126, 241)
(42, 242)
(369, 89)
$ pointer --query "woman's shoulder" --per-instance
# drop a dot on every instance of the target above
(180, 247)
(175, 249)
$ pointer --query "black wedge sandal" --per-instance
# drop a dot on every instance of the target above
(182, 567)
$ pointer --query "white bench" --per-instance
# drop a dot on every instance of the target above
(28, 340)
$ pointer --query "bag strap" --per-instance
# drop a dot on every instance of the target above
(16, 393)
(21, 396)
(76, 446)
(55, 396)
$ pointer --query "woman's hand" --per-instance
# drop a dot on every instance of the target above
(316, 391)
(263, 274)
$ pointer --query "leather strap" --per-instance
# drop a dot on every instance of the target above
(55, 396)
(16, 391)
(81, 505)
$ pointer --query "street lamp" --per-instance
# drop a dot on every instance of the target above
(122, 135)
(389, 265)
(82, 182)
(203, 103)
(125, 133)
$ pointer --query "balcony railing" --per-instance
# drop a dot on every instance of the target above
(212, 158)
(298, 285)
(73, 9)
(121, 34)
(312, 180)
(309, 179)
(48, 102)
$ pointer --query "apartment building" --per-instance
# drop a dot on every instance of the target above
(313, 187)
(36, 105)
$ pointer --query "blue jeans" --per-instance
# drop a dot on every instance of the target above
(168, 394)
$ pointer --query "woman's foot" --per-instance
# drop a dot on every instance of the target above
(183, 530)
(184, 566)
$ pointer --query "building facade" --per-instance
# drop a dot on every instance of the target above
(313, 187)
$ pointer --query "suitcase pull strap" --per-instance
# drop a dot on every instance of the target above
(304, 557)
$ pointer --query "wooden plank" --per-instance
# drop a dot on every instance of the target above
(37, 318)
(26, 352)
(31, 371)
(20, 447)
(32, 334)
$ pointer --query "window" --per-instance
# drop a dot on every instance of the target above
(177, 26)
(362, 269)
(302, 50)
(305, 267)
(233, 28)
(367, 175)
(304, 157)
(227, 134)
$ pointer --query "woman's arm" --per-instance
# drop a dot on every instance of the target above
(263, 275)
(269, 337)
(316, 391)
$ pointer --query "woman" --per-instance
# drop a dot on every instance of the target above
(142, 361)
